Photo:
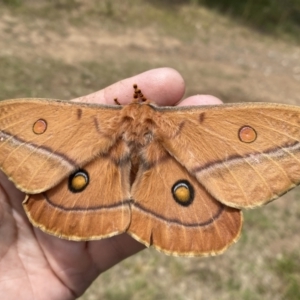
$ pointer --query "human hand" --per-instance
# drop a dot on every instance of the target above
(35, 265)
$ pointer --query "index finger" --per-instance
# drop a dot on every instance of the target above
(164, 86)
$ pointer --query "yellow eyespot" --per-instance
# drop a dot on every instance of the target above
(183, 192)
(78, 181)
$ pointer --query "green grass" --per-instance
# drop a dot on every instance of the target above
(287, 268)
(280, 18)
(276, 17)
(50, 78)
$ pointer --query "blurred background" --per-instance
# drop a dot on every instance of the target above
(236, 50)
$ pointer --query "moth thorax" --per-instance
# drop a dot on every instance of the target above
(138, 123)
(138, 133)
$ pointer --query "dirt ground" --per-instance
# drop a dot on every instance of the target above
(215, 55)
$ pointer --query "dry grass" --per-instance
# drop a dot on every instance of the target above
(64, 49)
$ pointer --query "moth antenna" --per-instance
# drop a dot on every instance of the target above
(138, 94)
(116, 101)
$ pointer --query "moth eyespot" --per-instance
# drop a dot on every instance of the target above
(247, 134)
(183, 192)
(78, 181)
(39, 127)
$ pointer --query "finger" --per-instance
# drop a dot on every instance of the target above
(163, 86)
(108, 252)
(200, 100)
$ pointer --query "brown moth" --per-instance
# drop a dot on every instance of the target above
(172, 177)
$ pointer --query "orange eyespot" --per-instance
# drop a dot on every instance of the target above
(78, 181)
(39, 127)
(183, 192)
(247, 134)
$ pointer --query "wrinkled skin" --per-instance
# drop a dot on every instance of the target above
(35, 265)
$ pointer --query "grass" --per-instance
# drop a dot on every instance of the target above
(287, 268)
(277, 17)
(51, 78)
